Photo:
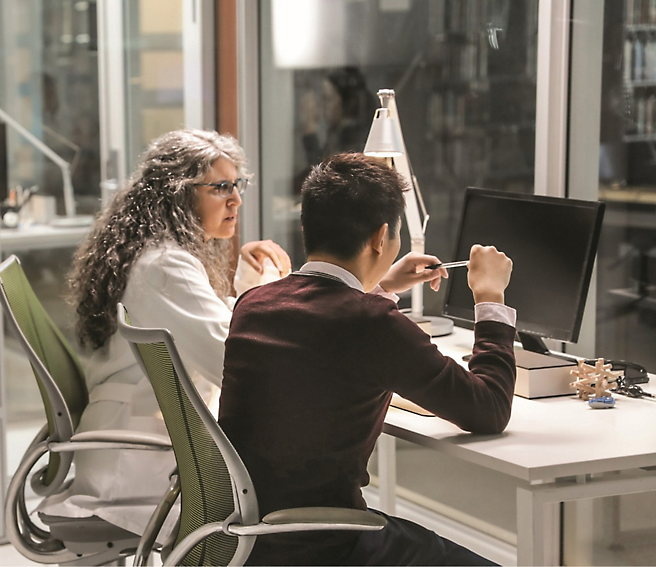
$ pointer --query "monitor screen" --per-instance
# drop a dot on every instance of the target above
(552, 242)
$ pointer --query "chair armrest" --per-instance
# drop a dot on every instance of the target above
(282, 521)
(123, 436)
(323, 515)
(112, 439)
(312, 519)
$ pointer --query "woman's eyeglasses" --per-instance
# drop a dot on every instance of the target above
(225, 188)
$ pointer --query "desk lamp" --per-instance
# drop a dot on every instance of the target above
(64, 166)
(386, 141)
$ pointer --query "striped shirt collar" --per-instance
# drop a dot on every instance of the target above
(332, 271)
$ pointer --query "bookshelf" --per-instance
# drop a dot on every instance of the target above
(639, 70)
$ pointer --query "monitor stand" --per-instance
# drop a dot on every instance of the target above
(433, 326)
(533, 343)
(440, 326)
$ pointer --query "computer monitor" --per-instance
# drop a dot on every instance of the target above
(552, 242)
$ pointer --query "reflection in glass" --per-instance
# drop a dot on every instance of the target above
(464, 73)
(626, 296)
(50, 86)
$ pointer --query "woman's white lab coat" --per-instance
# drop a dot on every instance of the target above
(167, 288)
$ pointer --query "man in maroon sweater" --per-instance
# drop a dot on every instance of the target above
(312, 360)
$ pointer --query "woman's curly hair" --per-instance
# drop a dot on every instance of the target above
(158, 204)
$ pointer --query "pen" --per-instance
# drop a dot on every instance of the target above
(447, 265)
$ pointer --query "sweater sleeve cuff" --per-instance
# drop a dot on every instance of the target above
(498, 312)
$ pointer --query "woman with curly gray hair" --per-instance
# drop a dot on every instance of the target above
(162, 247)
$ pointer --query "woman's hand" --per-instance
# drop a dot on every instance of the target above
(411, 270)
(254, 253)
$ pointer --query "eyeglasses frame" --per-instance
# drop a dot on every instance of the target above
(232, 184)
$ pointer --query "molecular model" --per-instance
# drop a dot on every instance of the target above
(593, 381)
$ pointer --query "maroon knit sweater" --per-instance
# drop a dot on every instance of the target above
(310, 367)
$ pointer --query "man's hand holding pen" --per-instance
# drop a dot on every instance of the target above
(488, 273)
(411, 270)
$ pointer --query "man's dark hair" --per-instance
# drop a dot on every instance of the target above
(345, 199)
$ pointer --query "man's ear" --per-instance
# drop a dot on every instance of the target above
(377, 240)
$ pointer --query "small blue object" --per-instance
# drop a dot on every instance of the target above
(602, 402)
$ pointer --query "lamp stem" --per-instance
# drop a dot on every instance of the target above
(64, 166)
(417, 292)
(412, 213)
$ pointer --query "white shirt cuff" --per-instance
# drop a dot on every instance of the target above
(380, 291)
(488, 311)
(247, 277)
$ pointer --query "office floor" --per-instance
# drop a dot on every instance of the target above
(10, 557)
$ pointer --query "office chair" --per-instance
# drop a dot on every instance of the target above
(219, 516)
(69, 541)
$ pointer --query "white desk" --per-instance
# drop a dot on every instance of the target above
(557, 446)
(39, 237)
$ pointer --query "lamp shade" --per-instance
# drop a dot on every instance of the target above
(384, 137)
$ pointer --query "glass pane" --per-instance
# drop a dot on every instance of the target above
(48, 86)
(626, 296)
(618, 530)
(154, 72)
(464, 72)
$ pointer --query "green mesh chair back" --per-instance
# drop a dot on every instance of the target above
(214, 482)
(55, 365)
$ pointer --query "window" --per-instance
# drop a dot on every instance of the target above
(464, 73)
